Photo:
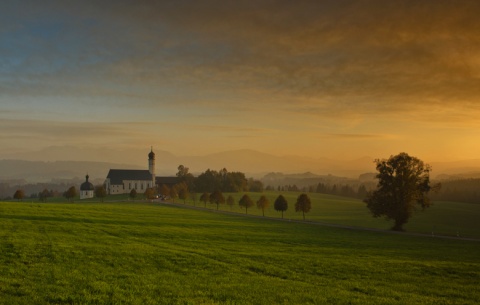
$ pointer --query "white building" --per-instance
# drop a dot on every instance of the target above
(123, 181)
(86, 189)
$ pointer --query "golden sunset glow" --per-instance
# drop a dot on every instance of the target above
(314, 79)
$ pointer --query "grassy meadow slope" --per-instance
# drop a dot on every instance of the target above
(150, 253)
(442, 218)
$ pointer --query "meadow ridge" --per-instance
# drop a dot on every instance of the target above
(455, 219)
(153, 253)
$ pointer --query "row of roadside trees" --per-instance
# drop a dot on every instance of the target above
(303, 203)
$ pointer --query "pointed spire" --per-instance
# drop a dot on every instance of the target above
(87, 176)
(151, 155)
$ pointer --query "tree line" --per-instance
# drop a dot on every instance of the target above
(222, 180)
(462, 190)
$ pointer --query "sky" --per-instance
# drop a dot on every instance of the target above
(336, 79)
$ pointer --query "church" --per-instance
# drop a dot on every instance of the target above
(86, 189)
(123, 181)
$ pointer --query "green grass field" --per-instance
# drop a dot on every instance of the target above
(151, 253)
(443, 218)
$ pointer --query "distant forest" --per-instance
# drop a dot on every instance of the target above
(463, 190)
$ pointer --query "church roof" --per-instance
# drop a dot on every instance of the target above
(167, 180)
(86, 186)
(117, 176)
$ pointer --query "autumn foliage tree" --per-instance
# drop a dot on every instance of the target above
(246, 202)
(149, 193)
(205, 197)
(183, 194)
(19, 195)
(217, 198)
(70, 193)
(100, 192)
(230, 201)
(173, 193)
(403, 185)
(164, 190)
(182, 191)
(303, 204)
(262, 204)
(280, 204)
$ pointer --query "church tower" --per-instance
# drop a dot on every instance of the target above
(151, 165)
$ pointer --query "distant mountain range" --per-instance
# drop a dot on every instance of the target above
(69, 162)
(74, 162)
(39, 171)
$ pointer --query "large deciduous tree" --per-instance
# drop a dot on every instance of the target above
(149, 193)
(19, 195)
(205, 197)
(303, 204)
(280, 204)
(173, 193)
(246, 202)
(262, 204)
(185, 177)
(230, 201)
(43, 195)
(71, 193)
(100, 192)
(164, 190)
(183, 194)
(403, 184)
(217, 198)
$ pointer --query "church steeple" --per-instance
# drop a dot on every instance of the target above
(151, 164)
(151, 155)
